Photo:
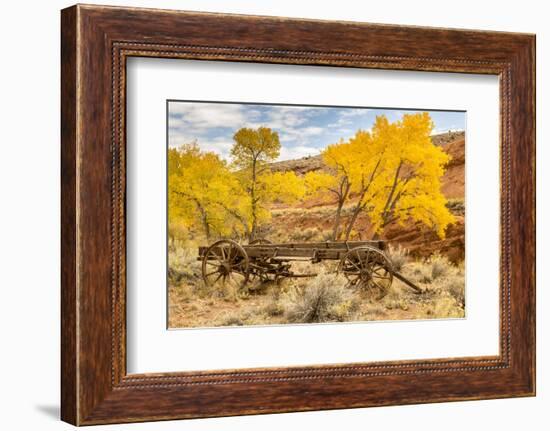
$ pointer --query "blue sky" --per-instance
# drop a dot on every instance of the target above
(303, 130)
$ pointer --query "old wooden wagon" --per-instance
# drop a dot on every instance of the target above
(364, 263)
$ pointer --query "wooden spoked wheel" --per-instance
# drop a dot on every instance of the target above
(226, 262)
(367, 268)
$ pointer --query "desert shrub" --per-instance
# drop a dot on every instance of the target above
(456, 206)
(454, 286)
(392, 300)
(399, 256)
(439, 266)
(183, 266)
(446, 306)
(231, 320)
(306, 234)
(375, 311)
(181, 293)
(433, 270)
(274, 307)
(419, 272)
(326, 235)
(201, 290)
(236, 318)
(229, 292)
(324, 299)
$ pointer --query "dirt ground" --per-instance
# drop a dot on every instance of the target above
(196, 305)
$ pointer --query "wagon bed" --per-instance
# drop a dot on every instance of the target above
(334, 250)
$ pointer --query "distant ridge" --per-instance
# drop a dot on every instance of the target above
(445, 138)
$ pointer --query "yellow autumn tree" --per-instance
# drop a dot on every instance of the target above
(252, 151)
(392, 173)
(203, 193)
(336, 182)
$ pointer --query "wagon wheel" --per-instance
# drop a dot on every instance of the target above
(367, 268)
(225, 261)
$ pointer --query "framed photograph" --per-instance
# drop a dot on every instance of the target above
(284, 193)
(322, 214)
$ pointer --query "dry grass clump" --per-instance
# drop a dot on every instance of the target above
(454, 285)
(439, 266)
(326, 235)
(394, 299)
(299, 235)
(325, 298)
(307, 234)
(443, 283)
(418, 272)
(274, 306)
(375, 311)
(228, 292)
(445, 306)
(230, 319)
(399, 256)
(456, 206)
(240, 318)
(181, 293)
(429, 270)
(183, 266)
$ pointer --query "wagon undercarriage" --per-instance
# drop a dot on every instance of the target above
(364, 263)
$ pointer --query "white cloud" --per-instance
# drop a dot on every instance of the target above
(198, 116)
(345, 117)
(341, 122)
(297, 152)
(354, 112)
(177, 140)
(348, 132)
(300, 133)
(287, 117)
(311, 131)
(219, 146)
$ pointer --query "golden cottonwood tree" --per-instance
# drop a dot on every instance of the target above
(252, 152)
(204, 193)
(392, 173)
(337, 183)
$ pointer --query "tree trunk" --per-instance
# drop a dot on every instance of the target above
(337, 217)
(342, 196)
(204, 219)
(392, 191)
(360, 205)
(353, 219)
